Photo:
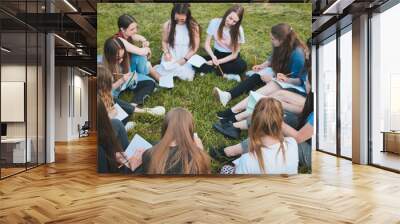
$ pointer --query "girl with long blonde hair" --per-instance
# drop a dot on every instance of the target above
(180, 150)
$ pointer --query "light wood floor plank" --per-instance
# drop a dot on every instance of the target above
(70, 191)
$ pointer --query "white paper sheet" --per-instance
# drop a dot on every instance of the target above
(170, 65)
(121, 114)
(167, 81)
(254, 97)
(197, 61)
(136, 143)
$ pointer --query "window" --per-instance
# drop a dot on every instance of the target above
(385, 85)
(346, 92)
(327, 95)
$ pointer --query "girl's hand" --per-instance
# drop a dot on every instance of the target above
(215, 60)
(282, 77)
(136, 160)
(145, 43)
(146, 50)
(257, 68)
(121, 159)
(181, 61)
(209, 62)
(126, 76)
(167, 57)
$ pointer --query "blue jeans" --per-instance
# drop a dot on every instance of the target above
(139, 64)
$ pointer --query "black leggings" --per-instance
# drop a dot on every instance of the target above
(245, 86)
(236, 66)
(142, 91)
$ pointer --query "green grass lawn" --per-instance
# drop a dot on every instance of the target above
(197, 96)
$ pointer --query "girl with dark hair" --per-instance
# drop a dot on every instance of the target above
(127, 33)
(180, 41)
(112, 139)
(286, 64)
(299, 127)
(227, 34)
(117, 60)
(180, 150)
(269, 151)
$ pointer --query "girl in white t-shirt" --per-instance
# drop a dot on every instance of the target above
(269, 151)
(227, 34)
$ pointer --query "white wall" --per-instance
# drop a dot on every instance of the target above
(70, 83)
(12, 73)
(61, 103)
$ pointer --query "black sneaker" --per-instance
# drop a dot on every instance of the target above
(228, 130)
(218, 154)
(226, 113)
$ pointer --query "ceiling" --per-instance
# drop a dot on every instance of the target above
(75, 21)
(328, 15)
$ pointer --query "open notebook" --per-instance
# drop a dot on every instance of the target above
(131, 81)
(166, 81)
(254, 97)
(197, 61)
(121, 114)
(285, 85)
(136, 143)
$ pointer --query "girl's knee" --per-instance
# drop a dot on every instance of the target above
(142, 65)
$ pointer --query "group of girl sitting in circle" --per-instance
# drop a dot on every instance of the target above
(283, 111)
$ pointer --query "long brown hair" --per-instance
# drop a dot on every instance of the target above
(267, 120)
(104, 86)
(191, 24)
(106, 138)
(112, 46)
(234, 31)
(178, 126)
(289, 42)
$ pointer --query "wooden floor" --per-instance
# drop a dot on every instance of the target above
(70, 191)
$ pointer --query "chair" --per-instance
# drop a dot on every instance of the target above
(84, 130)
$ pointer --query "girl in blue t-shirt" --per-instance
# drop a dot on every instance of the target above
(286, 66)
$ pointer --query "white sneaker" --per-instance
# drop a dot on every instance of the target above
(223, 96)
(233, 77)
(158, 111)
(202, 74)
(129, 125)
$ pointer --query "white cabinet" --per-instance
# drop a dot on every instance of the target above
(18, 149)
